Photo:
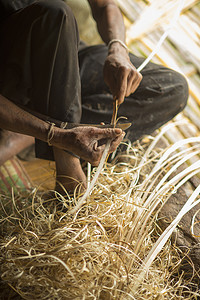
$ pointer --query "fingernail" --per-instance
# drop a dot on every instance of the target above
(118, 130)
(95, 146)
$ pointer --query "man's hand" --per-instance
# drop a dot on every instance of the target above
(89, 142)
(120, 75)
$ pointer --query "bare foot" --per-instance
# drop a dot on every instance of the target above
(69, 173)
(11, 143)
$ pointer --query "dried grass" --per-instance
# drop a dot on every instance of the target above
(99, 252)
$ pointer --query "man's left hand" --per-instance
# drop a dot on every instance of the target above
(120, 75)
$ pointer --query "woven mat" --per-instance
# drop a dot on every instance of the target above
(13, 177)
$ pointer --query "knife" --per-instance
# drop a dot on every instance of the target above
(123, 126)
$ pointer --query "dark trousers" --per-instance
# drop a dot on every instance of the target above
(42, 67)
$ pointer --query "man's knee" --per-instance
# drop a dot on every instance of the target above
(55, 17)
(55, 8)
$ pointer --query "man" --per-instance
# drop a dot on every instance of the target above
(43, 70)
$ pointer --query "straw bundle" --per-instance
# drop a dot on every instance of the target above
(99, 253)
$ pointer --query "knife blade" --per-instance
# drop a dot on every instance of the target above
(123, 126)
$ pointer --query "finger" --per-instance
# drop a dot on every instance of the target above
(109, 133)
(131, 80)
(122, 86)
(115, 143)
(95, 146)
(136, 83)
(96, 133)
(100, 147)
(96, 155)
(95, 163)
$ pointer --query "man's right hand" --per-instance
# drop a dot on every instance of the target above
(89, 142)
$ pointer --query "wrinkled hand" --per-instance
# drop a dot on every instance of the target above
(89, 142)
(120, 75)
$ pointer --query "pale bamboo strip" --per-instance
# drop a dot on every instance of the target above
(188, 3)
(189, 70)
(163, 56)
(187, 47)
(131, 8)
(137, 50)
(192, 104)
(159, 16)
(188, 128)
(170, 49)
(188, 189)
(174, 135)
(196, 79)
(196, 11)
(190, 27)
(194, 91)
(192, 116)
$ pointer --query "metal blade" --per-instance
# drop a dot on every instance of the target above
(123, 126)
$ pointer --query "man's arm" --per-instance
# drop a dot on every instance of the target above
(109, 20)
(86, 142)
(119, 73)
(15, 119)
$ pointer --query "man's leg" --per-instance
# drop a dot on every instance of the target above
(69, 173)
(63, 101)
(162, 94)
(42, 71)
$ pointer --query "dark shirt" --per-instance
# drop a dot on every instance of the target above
(7, 7)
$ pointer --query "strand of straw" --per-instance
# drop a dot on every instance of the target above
(139, 69)
(82, 200)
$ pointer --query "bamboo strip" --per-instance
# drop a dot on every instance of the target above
(196, 11)
(188, 128)
(192, 116)
(191, 27)
(193, 105)
(144, 24)
(175, 134)
(188, 48)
